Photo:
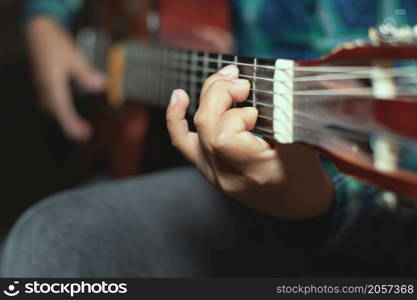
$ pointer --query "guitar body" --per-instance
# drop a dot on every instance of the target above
(133, 138)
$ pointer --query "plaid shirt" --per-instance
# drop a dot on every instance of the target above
(62, 11)
(301, 29)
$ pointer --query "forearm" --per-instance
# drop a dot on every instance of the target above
(56, 60)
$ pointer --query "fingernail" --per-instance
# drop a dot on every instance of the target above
(174, 98)
(241, 81)
(229, 70)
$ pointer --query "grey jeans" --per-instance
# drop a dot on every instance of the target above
(175, 224)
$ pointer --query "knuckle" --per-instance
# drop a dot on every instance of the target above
(213, 77)
(200, 119)
(256, 178)
(230, 187)
(209, 81)
(219, 142)
(219, 84)
(211, 176)
(174, 143)
(170, 119)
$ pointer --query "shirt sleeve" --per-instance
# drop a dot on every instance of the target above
(63, 11)
(353, 199)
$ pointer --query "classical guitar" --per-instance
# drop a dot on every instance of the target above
(357, 106)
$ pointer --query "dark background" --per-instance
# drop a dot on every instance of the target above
(33, 160)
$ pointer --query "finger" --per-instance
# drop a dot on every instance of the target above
(185, 141)
(233, 140)
(86, 76)
(218, 98)
(58, 102)
(228, 72)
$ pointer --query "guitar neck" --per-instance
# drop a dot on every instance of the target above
(151, 73)
(148, 74)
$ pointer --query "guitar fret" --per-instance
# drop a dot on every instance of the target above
(164, 87)
(160, 96)
(235, 60)
(146, 79)
(219, 61)
(153, 72)
(205, 66)
(172, 83)
(183, 75)
(143, 78)
(255, 62)
(193, 75)
(152, 78)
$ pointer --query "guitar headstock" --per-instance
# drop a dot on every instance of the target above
(358, 105)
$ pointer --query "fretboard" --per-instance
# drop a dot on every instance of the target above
(152, 73)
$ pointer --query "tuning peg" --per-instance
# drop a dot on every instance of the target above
(389, 33)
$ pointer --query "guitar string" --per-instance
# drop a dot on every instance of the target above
(354, 148)
(325, 92)
(316, 92)
(319, 120)
(308, 78)
(346, 76)
(297, 112)
(351, 136)
(334, 92)
(363, 135)
(389, 73)
(349, 72)
(334, 69)
(332, 132)
(173, 75)
(321, 130)
(321, 127)
(326, 69)
(264, 104)
(365, 91)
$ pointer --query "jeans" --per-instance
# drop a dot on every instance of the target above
(174, 223)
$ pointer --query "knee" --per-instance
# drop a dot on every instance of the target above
(43, 242)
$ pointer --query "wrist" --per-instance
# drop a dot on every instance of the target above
(308, 191)
(312, 193)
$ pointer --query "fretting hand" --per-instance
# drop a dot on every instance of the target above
(285, 181)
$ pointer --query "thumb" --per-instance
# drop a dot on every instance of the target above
(87, 76)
